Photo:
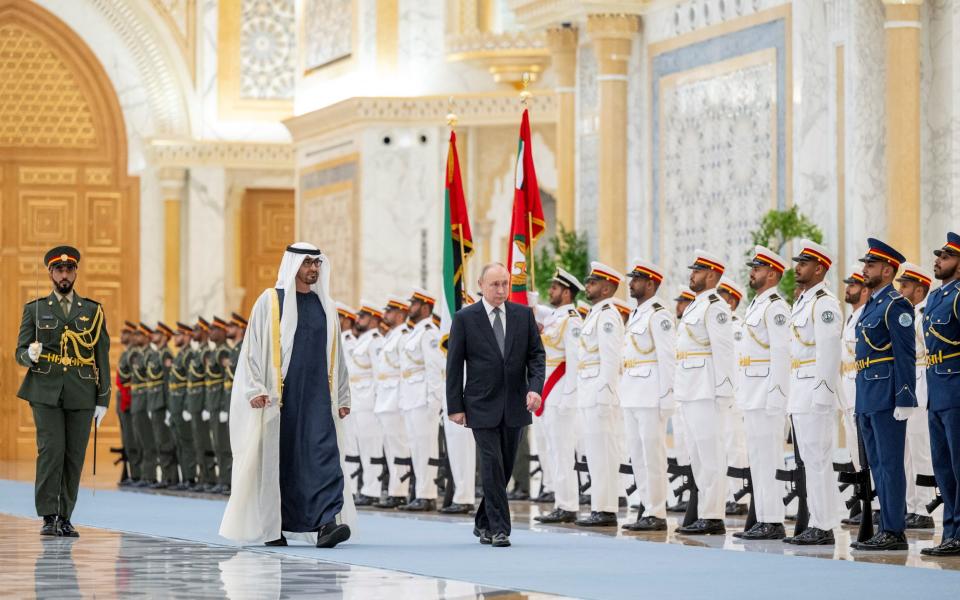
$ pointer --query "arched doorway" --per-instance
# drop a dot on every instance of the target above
(63, 180)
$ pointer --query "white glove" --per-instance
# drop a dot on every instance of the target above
(186, 416)
(34, 351)
(902, 413)
(205, 415)
(533, 298)
(98, 413)
(224, 415)
(166, 419)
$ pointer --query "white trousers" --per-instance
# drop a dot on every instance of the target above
(370, 442)
(422, 425)
(603, 450)
(814, 433)
(734, 443)
(764, 437)
(916, 459)
(562, 436)
(850, 433)
(704, 421)
(462, 454)
(646, 437)
(679, 428)
(351, 448)
(394, 446)
(540, 445)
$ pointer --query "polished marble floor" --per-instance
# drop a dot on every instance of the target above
(108, 564)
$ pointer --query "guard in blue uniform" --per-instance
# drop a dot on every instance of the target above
(886, 382)
(941, 325)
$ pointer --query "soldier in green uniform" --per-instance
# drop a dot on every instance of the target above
(193, 413)
(176, 408)
(235, 332)
(159, 359)
(127, 477)
(64, 344)
(139, 411)
(214, 357)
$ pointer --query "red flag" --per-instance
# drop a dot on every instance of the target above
(527, 222)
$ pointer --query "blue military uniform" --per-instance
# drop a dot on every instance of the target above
(942, 335)
(886, 379)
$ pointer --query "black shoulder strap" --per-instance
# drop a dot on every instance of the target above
(280, 293)
(821, 293)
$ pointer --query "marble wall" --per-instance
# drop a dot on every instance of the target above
(204, 229)
(587, 153)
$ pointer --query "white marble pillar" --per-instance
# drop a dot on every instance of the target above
(204, 243)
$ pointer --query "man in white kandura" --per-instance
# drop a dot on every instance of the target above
(762, 391)
(646, 393)
(290, 392)
(557, 417)
(703, 386)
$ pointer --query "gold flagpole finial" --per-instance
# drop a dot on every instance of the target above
(524, 93)
(451, 113)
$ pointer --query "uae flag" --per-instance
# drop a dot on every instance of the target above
(527, 223)
(457, 241)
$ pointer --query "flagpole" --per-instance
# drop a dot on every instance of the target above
(524, 98)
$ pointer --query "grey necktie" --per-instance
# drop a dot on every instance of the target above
(65, 306)
(498, 328)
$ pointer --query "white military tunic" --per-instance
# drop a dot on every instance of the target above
(598, 380)
(558, 424)
(421, 390)
(764, 383)
(646, 398)
(387, 408)
(917, 459)
(363, 391)
(704, 389)
(351, 443)
(848, 384)
(816, 326)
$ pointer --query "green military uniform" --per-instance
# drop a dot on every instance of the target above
(140, 416)
(176, 380)
(131, 449)
(220, 429)
(157, 359)
(69, 379)
(196, 397)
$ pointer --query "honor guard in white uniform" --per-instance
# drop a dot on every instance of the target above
(461, 447)
(421, 390)
(704, 389)
(763, 385)
(557, 417)
(680, 452)
(348, 339)
(646, 392)
(816, 329)
(363, 394)
(914, 285)
(855, 294)
(387, 406)
(735, 440)
(598, 372)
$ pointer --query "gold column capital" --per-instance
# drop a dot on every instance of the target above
(902, 13)
(902, 2)
(562, 42)
(562, 39)
(612, 37)
(172, 180)
(612, 26)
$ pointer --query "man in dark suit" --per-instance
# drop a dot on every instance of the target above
(500, 346)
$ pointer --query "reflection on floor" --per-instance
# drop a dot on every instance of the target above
(107, 564)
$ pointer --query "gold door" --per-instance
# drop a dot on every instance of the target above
(267, 223)
(63, 180)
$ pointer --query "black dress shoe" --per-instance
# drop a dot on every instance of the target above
(185, 485)
(159, 485)
(884, 541)
(915, 521)
(598, 519)
(557, 515)
(225, 490)
(518, 495)
(679, 507)
(332, 534)
(143, 483)
(854, 520)
(812, 536)
(949, 547)
(763, 531)
(457, 509)
(648, 523)
(51, 525)
(420, 505)
(704, 527)
(281, 541)
(217, 489)
(483, 534)
(210, 488)
(735, 509)
(125, 482)
(66, 528)
(500, 540)
(362, 500)
(546, 498)
(391, 502)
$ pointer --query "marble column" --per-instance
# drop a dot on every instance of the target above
(902, 33)
(172, 182)
(612, 36)
(563, 51)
